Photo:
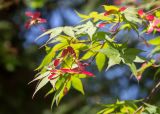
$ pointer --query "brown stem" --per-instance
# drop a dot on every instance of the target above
(153, 10)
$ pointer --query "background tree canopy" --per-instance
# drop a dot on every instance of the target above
(20, 55)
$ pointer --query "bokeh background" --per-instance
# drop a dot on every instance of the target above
(20, 55)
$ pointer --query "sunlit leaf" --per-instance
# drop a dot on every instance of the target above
(100, 61)
(40, 76)
(155, 41)
(69, 31)
(77, 84)
(41, 84)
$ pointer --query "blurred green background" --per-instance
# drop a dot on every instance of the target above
(19, 56)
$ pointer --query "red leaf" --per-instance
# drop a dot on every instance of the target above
(109, 12)
(140, 12)
(65, 70)
(35, 19)
(51, 76)
(70, 50)
(36, 15)
(64, 52)
(122, 9)
(150, 17)
(41, 20)
(27, 24)
(87, 73)
(32, 14)
(53, 71)
(101, 25)
(56, 62)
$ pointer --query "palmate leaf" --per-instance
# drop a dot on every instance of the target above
(131, 15)
(54, 32)
(113, 56)
(87, 28)
(151, 109)
(155, 41)
(59, 86)
(106, 111)
(87, 55)
(57, 94)
(41, 76)
(41, 84)
(53, 82)
(51, 54)
(77, 84)
(110, 7)
(100, 61)
(66, 88)
(49, 92)
(69, 31)
(156, 50)
(120, 107)
(139, 59)
(130, 54)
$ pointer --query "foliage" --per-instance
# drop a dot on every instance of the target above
(129, 107)
(69, 50)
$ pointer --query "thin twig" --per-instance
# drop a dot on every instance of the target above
(153, 10)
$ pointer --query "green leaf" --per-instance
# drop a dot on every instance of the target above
(111, 7)
(151, 108)
(91, 29)
(100, 61)
(157, 13)
(87, 28)
(58, 93)
(139, 59)
(54, 31)
(69, 31)
(131, 15)
(42, 83)
(49, 92)
(113, 56)
(87, 55)
(48, 58)
(156, 50)
(155, 41)
(106, 111)
(129, 54)
(53, 82)
(133, 68)
(40, 76)
(57, 31)
(99, 36)
(77, 84)
(85, 17)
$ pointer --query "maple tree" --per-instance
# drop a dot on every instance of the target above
(69, 50)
